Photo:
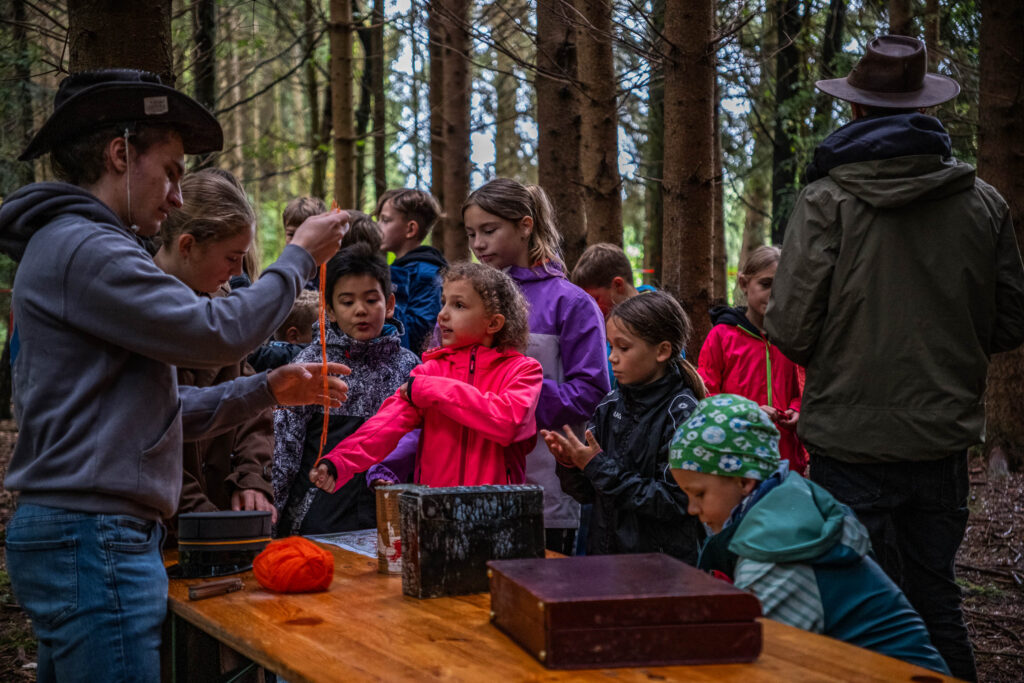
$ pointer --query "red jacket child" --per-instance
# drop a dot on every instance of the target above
(476, 406)
(737, 359)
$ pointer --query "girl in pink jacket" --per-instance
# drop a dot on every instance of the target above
(474, 397)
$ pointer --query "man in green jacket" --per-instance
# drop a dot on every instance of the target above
(900, 276)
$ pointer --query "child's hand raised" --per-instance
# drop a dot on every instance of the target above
(555, 446)
(568, 450)
(321, 477)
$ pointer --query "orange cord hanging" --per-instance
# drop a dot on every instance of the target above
(323, 351)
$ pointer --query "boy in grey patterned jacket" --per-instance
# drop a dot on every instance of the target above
(361, 336)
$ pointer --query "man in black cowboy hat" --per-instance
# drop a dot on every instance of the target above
(900, 276)
(98, 461)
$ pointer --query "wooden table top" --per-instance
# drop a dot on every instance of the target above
(363, 628)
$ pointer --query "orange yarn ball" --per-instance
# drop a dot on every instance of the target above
(294, 565)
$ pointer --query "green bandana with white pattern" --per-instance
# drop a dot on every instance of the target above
(727, 435)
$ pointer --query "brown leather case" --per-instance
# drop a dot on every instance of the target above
(622, 610)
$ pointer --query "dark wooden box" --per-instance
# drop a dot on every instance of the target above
(449, 534)
(622, 610)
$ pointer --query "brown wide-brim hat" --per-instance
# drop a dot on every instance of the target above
(893, 73)
(91, 100)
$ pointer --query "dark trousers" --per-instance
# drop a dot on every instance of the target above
(916, 515)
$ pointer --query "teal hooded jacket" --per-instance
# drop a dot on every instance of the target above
(804, 555)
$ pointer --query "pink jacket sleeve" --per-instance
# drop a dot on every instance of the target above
(506, 416)
(375, 439)
(710, 364)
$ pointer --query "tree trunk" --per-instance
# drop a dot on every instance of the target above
(316, 141)
(720, 259)
(1001, 163)
(655, 153)
(17, 173)
(506, 139)
(365, 109)
(121, 34)
(436, 95)
(831, 46)
(320, 157)
(341, 103)
(599, 148)
(755, 191)
(242, 164)
(689, 170)
(457, 92)
(205, 38)
(932, 17)
(558, 123)
(380, 141)
(901, 18)
(787, 74)
(417, 61)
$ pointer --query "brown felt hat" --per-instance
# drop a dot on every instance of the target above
(893, 74)
(90, 100)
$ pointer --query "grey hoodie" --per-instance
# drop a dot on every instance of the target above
(100, 413)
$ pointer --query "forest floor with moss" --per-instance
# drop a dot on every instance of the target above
(990, 569)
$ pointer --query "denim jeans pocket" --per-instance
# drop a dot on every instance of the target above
(35, 568)
(132, 536)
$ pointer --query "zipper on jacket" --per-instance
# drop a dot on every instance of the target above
(464, 440)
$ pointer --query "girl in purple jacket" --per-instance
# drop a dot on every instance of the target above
(511, 227)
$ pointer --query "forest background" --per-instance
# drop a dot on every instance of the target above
(676, 128)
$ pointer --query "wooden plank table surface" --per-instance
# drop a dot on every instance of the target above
(363, 628)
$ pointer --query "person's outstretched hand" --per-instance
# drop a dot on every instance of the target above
(321, 477)
(568, 450)
(321, 235)
(299, 384)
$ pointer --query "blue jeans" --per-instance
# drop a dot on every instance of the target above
(95, 588)
(916, 515)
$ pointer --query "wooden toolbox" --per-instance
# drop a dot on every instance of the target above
(622, 610)
(449, 534)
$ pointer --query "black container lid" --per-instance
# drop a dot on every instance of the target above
(223, 525)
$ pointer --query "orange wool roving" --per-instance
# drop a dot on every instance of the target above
(294, 565)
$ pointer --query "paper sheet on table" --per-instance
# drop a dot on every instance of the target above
(360, 541)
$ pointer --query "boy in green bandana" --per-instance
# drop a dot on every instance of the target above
(786, 539)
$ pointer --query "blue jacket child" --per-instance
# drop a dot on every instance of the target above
(417, 283)
(786, 539)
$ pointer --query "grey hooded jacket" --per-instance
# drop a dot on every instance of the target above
(100, 412)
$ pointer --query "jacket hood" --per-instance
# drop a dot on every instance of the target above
(422, 254)
(798, 521)
(897, 182)
(30, 208)
(543, 271)
(727, 315)
(890, 161)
